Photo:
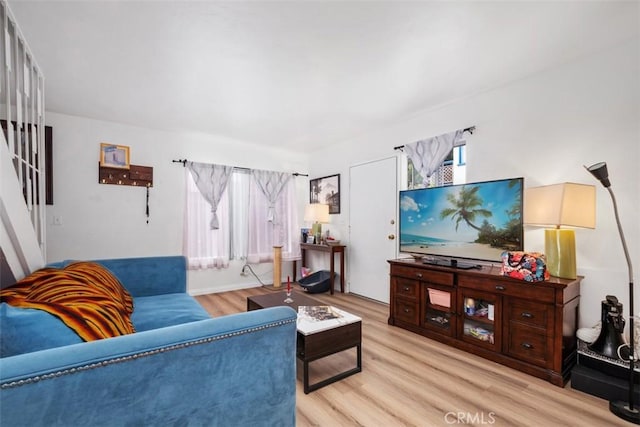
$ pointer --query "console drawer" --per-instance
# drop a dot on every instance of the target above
(530, 313)
(536, 292)
(431, 276)
(529, 344)
(406, 288)
(407, 311)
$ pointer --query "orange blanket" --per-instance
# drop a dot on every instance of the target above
(86, 296)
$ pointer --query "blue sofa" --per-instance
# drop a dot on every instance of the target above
(180, 367)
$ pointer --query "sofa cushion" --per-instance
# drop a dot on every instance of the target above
(86, 296)
(160, 311)
(23, 330)
(147, 276)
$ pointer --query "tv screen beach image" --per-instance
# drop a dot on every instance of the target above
(477, 221)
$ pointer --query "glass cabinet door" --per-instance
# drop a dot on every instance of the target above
(480, 318)
(438, 314)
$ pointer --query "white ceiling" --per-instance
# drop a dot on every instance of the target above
(298, 74)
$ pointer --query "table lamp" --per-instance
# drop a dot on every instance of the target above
(561, 205)
(622, 409)
(317, 214)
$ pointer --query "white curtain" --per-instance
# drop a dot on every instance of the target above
(265, 232)
(271, 185)
(212, 181)
(203, 246)
(428, 154)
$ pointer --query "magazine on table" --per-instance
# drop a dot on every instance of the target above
(317, 313)
(319, 318)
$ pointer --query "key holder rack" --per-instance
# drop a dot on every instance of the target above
(136, 176)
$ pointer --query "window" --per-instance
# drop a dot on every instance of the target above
(244, 229)
(452, 171)
(282, 231)
(239, 213)
(460, 152)
(204, 247)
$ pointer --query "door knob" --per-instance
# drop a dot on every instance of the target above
(391, 236)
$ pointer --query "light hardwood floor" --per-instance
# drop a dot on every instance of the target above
(410, 380)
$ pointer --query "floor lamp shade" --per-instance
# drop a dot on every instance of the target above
(561, 205)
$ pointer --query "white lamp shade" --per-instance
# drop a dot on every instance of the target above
(561, 205)
(317, 212)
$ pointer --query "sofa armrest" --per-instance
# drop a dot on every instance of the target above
(238, 368)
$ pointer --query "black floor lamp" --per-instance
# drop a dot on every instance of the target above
(624, 410)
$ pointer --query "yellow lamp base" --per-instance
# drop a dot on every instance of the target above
(560, 251)
(316, 230)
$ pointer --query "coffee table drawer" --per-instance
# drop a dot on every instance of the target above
(321, 344)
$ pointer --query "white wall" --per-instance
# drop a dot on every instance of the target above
(544, 128)
(108, 221)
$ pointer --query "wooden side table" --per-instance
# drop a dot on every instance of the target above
(332, 250)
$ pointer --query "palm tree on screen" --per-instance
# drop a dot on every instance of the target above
(467, 207)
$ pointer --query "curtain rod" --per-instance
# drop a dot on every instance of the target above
(184, 163)
(470, 129)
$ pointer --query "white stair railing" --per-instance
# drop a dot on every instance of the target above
(22, 200)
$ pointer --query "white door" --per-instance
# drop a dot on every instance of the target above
(373, 195)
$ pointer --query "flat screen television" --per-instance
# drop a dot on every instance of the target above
(475, 221)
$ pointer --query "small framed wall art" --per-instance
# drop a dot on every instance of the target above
(326, 190)
(114, 156)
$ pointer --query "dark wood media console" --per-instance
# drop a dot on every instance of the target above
(530, 327)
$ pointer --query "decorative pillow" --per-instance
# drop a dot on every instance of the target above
(86, 296)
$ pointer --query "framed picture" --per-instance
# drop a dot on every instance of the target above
(326, 190)
(114, 156)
